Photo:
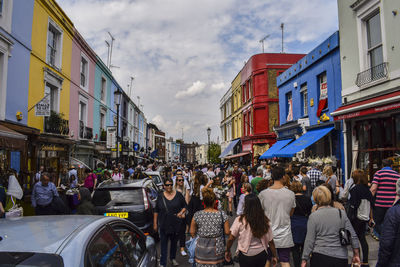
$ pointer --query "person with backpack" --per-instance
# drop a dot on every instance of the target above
(360, 210)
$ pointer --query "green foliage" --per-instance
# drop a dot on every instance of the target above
(215, 151)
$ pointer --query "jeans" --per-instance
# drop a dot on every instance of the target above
(360, 229)
(379, 215)
(318, 260)
(164, 237)
(258, 260)
(182, 234)
(238, 193)
(297, 252)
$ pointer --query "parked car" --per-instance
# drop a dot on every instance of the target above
(74, 240)
(134, 200)
(157, 179)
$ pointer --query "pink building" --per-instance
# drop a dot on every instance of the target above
(81, 99)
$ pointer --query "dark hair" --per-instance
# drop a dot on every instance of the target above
(261, 185)
(303, 170)
(168, 180)
(359, 177)
(197, 182)
(208, 197)
(277, 173)
(387, 162)
(254, 215)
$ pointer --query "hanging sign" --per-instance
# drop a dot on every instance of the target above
(111, 136)
(42, 108)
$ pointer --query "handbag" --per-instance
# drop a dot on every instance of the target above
(223, 238)
(344, 234)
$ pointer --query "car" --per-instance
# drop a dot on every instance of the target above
(157, 178)
(74, 240)
(133, 200)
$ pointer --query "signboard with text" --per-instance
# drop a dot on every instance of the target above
(111, 136)
(42, 109)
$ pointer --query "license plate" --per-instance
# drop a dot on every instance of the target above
(117, 214)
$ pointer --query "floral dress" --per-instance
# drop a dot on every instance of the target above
(209, 226)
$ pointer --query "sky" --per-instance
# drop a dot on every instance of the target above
(184, 54)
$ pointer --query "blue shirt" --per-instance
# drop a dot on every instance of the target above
(43, 195)
(131, 171)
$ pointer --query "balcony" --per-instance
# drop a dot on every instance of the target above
(85, 132)
(373, 74)
(55, 124)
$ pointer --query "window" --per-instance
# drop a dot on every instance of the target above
(374, 40)
(83, 110)
(54, 41)
(102, 120)
(84, 72)
(289, 107)
(105, 251)
(52, 91)
(103, 89)
(304, 100)
(322, 93)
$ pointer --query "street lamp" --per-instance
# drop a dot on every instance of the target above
(208, 133)
(117, 101)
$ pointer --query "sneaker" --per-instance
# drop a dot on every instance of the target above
(174, 262)
(183, 253)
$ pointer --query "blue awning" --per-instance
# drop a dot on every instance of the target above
(270, 153)
(229, 148)
(303, 142)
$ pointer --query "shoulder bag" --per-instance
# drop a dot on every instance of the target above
(344, 234)
(173, 223)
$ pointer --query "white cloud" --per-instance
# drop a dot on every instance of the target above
(185, 53)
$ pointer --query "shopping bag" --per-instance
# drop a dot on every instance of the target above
(191, 246)
(15, 211)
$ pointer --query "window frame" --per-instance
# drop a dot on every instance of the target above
(290, 93)
(86, 85)
(304, 99)
(84, 100)
(51, 86)
(58, 55)
(104, 98)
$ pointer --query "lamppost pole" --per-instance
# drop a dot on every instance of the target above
(117, 101)
(208, 148)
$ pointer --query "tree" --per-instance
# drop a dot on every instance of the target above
(215, 151)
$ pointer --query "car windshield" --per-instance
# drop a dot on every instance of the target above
(127, 196)
(29, 259)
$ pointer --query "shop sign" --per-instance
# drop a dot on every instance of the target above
(52, 148)
(368, 111)
(42, 108)
(111, 136)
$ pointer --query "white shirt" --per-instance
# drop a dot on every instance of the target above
(73, 172)
(116, 176)
(277, 205)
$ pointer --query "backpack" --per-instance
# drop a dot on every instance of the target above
(363, 210)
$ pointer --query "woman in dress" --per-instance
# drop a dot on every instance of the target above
(254, 234)
(230, 182)
(210, 225)
(169, 211)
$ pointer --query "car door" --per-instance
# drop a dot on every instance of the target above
(152, 192)
(105, 250)
(135, 243)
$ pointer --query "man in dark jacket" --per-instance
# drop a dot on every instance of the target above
(86, 206)
(389, 243)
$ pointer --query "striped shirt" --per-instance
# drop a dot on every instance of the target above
(385, 179)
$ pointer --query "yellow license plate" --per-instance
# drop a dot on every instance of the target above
(117, 214)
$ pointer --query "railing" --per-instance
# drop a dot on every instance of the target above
(85, 132)
(55, 124)
(375, 73)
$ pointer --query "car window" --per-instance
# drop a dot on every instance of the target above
(30, 259)
(105, 251)
(151, 190)
(133, 241)
(121, 197)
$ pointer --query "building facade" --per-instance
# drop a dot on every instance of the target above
(259, 95)
(308, 92)
(201, 154)
(226, 107)
(160, 150)
(370, 61)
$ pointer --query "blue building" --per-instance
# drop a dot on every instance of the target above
(308, 92)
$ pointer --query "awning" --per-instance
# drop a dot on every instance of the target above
(229, 148)
(6, 132)
(303, 142)
(238, 155)
(270, 153)
(370, 106)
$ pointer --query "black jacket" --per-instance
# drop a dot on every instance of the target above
(389, 240)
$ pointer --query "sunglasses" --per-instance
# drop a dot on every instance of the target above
(167, 184)
(180, 180)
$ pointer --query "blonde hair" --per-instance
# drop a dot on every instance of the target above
(248, 187)
(322, 196)
(327, 170)
(296, 187)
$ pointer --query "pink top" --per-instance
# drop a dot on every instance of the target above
(245, 236)
(116, 177)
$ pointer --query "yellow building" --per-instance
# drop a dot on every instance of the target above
(50, 65)
(237, 107)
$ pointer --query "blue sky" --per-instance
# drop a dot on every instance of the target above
(185, 53)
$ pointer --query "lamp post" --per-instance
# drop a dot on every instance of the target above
(208, 149)
(117, 101)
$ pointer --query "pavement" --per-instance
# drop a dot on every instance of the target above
(372, 243)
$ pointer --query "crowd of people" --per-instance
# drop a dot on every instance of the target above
(281, 212)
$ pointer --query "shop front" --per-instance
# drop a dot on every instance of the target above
(256, 145)
(372, 130)
(84, 151)
(13, 152)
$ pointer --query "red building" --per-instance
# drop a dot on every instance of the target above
(260, 104)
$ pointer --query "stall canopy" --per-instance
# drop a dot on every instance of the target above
(270, 153)
(229, 148)
(303, 142)
(238, 155)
